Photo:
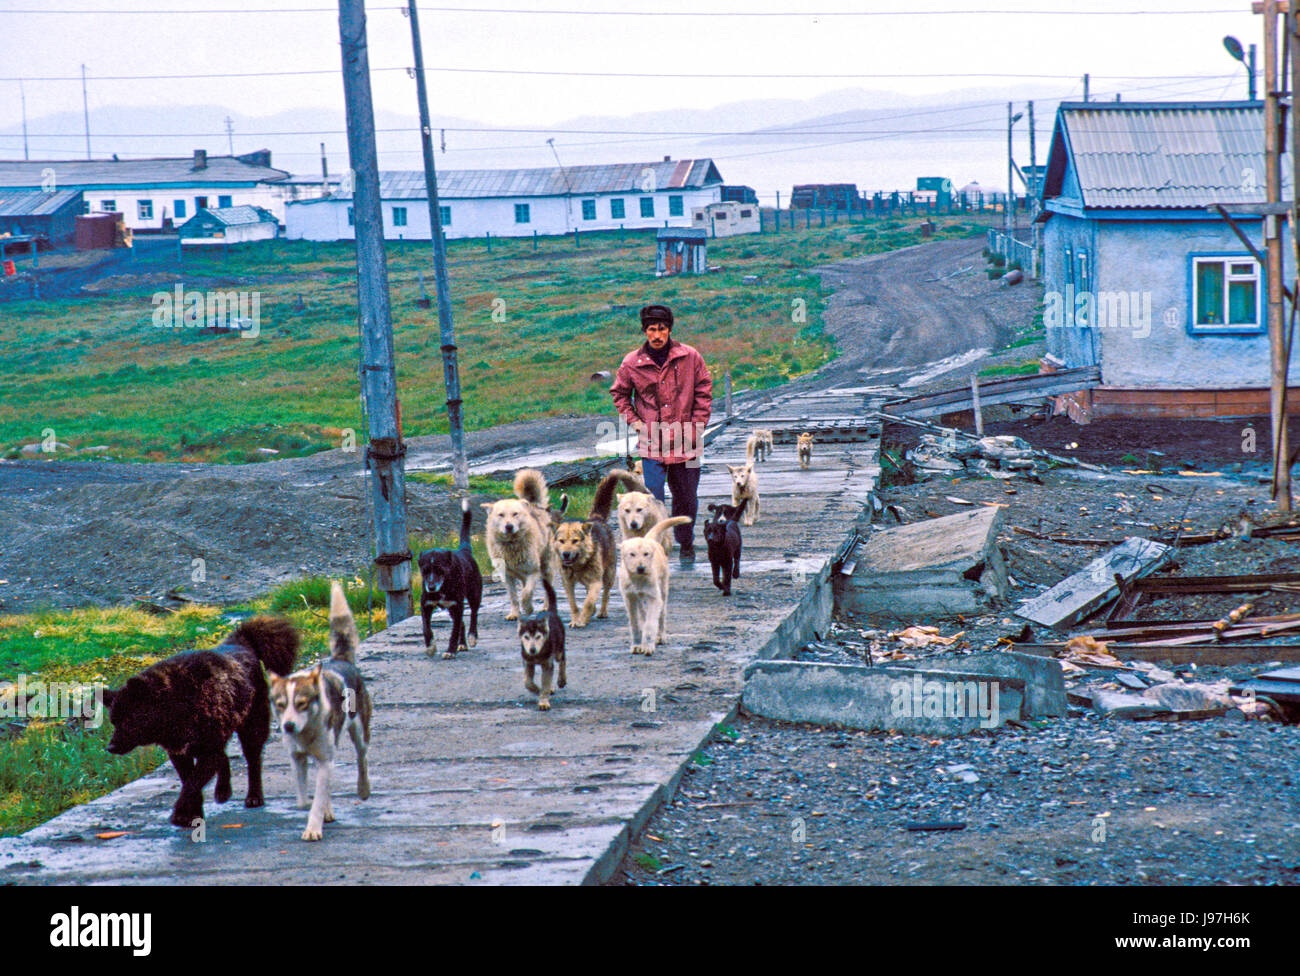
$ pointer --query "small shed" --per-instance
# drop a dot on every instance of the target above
(43, 215)
(96, 231)
(229, 225)
(727, 219)
(681, 250)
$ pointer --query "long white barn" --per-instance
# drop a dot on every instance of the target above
(161, 194)
(521, 202)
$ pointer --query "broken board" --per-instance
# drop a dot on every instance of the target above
(945, 565)
(1076, 597)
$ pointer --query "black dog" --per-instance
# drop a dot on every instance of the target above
(541, 641)
(191, 703)
(451, 579)
(722, 533)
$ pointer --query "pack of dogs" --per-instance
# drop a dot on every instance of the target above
(192, 703)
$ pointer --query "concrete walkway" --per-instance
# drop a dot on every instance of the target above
(472, 784)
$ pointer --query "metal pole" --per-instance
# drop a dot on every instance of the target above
(385, 452)
(1010, 187)
(1273, 242)
(450, 368)
(1252, 72)
(85, 109)
(1085, 88)
(23, 95)
(726, 385)
(975, 403)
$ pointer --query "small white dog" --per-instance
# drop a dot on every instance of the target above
(314, 705)
(643, 581)
(744, 485)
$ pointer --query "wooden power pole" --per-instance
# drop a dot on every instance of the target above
(385, 453)
(1274, 127)
(450, 368)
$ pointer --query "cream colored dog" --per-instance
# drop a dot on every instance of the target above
(519, 540)
(744, 485)
(643, 581)
(639, 511)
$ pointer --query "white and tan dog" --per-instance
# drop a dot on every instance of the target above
(643, 581)
(760, 444)
(744, 485)
(519, 539)
(805, 450)
(639, 511)
(314, 706)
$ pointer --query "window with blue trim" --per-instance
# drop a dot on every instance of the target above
(179, 207)
(617, 211)
(522, 213)
(444, 214)
(588, 209)
(1225, 294)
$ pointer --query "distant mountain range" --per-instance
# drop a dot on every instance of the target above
(879, 140)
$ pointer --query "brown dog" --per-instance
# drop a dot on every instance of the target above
(586, 555)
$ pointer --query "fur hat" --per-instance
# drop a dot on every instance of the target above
(656, 313)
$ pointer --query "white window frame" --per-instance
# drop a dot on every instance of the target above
(1227, 261)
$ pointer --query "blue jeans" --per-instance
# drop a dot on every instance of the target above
(684, 482)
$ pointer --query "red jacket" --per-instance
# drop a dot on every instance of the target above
(668, 406)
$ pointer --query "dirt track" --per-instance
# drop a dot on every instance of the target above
(73, 533)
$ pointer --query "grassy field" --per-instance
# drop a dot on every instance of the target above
(531, 324)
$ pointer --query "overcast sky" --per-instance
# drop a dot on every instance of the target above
(245, 38)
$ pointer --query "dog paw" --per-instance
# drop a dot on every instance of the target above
(577, 622)
(312, 833)
(363, 791)
(473, 640)
(449, 655)
(329, 816)
(222, 793)
(304, 804)
(254, 801)
(182, 819)
(562, 682)
(512, 615)
(532, 686)
(543, 706)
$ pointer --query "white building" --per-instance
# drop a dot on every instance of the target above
(233, 225)
(727, 219)
(161, 194)
(521, 202)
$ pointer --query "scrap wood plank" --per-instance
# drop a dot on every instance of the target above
(1076, 597)
(1225, 654)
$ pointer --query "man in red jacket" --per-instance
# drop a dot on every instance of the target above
(664, 392)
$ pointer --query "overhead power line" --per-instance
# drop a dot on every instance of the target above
(518, 11)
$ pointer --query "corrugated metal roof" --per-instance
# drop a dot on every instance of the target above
(135, 172)
(1167, 154)
(36, 203)
(234, 216)
(551, 181)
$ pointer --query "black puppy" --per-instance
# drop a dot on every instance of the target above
(541, 641)
(191, 703)
(722, 533)
(451, 579)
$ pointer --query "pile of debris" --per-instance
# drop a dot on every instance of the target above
(945, 452)
(1146, 668)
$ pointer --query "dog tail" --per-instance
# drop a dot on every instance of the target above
(466, 520)
(530, 485)
(273, 639)
(343, 629)
(656, 532)
(552, 604)
(604, 500)
(628, 479)
(749, 449)
(740, 509)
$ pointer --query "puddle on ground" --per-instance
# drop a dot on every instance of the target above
(805, 566)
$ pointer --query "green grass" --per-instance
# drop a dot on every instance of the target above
(1026, 368)
(176, 394)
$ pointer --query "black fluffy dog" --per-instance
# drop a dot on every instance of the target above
(451, 579)
(722, 533)
(191, 704)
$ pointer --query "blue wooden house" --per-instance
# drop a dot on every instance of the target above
(1141, 278)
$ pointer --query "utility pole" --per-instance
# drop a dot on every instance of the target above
(385, 454)
(1035, 194)
(85, 109)
(1011, 189)
(324, 170)
(1252, 72)
(230, 134)
(450, 368)
(22, 94)
(1273, 138)
(1085, 88)
(568, 188)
